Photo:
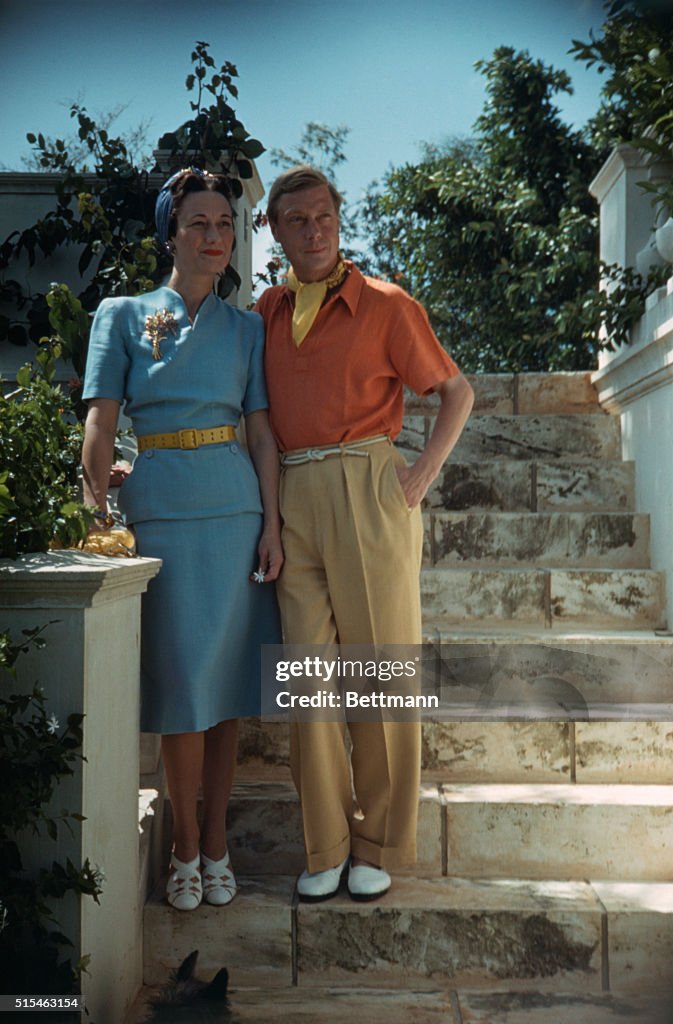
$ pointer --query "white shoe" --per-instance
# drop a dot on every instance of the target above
(183, 889)
(219, 884)
(366, 882)
(321, 885)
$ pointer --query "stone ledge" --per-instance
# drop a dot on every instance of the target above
(72, 579)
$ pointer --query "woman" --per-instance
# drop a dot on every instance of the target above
(187, 366)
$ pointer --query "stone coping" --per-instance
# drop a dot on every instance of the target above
(72, 579)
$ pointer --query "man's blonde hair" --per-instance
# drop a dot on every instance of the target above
(294, 179)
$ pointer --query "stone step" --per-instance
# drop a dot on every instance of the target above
(605, 598)
(324, 1005)
(545, 831)
(558, 1008)
(511, 752)
(596, 669)
(541, 394)
(428, 934)
(389, 1006)
(539, 438)
(509, 485)
(557, 539)
(562, 832)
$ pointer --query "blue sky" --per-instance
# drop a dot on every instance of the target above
(395, 71)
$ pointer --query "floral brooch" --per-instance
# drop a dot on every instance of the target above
(158, 327)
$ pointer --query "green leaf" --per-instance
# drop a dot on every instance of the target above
(24, 376)
(252, 148)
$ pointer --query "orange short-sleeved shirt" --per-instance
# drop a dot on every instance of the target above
(346, 379)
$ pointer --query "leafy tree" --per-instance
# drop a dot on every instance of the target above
(135, 140)
(322, 147)
(109, 213)
(635, 52)
(496, 235)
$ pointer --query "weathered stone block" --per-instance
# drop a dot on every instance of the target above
(640, 936)
(502, 486)
(556, 393)
(263, 745)
(617, 674)
(560, 831)
(561, 1008)
(582, 486)
(413, 436)
(493, 393)
(484, 596)
(265, 833)
(264, 829)
(521, 934)
(507, 751)
(620, 598)
(624, 751)
(541, 438)
(252, 937)
(576, 539)
(326, 1005)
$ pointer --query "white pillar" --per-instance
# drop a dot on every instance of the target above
(90, 666)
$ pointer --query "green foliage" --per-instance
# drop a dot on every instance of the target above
(109, 212)
(136, 141)
(635, 51)
(41, 445)
(323, 147)
(497, 236)
(213, 137)
(36, 753)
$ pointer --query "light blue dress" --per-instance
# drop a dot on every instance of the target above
(200, 511)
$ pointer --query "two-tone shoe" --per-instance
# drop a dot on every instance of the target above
(321, 885)
(217, 878)
(183, 889)
(365, 882)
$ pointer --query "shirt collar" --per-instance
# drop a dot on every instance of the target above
(349, 292)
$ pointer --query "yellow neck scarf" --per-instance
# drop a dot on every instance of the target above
(310, 297)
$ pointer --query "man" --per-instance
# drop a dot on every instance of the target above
(339, 349)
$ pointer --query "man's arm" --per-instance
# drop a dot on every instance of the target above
(457, 398)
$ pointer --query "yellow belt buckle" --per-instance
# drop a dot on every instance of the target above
(188, 438)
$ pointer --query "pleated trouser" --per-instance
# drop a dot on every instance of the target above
(351, 576)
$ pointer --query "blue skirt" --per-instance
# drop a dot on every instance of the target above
(203, 622)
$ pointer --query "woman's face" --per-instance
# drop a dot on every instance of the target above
(204, 237)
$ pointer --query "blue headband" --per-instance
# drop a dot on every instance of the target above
(164, 204)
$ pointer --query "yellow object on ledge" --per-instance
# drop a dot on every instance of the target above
(117, 541)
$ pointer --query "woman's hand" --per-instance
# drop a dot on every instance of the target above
(271, 558)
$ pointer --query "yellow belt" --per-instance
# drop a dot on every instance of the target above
(187, 439)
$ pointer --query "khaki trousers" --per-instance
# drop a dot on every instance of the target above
(351, 576)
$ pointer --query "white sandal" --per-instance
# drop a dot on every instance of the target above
(219, 884)
(184, 889)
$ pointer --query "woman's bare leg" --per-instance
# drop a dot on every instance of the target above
(183, 757)
(219, 765)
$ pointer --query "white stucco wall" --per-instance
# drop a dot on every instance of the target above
(636, 381)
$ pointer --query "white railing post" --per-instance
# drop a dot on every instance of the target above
(90, 666)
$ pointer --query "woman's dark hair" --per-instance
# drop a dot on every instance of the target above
(194, 181)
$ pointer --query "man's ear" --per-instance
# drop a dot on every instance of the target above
(272, 225)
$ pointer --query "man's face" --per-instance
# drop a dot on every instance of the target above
(307, 227)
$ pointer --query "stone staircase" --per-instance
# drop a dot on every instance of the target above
(544, 885)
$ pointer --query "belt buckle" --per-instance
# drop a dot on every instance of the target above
(188, 438)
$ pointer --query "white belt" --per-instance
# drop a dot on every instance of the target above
(302, 455)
